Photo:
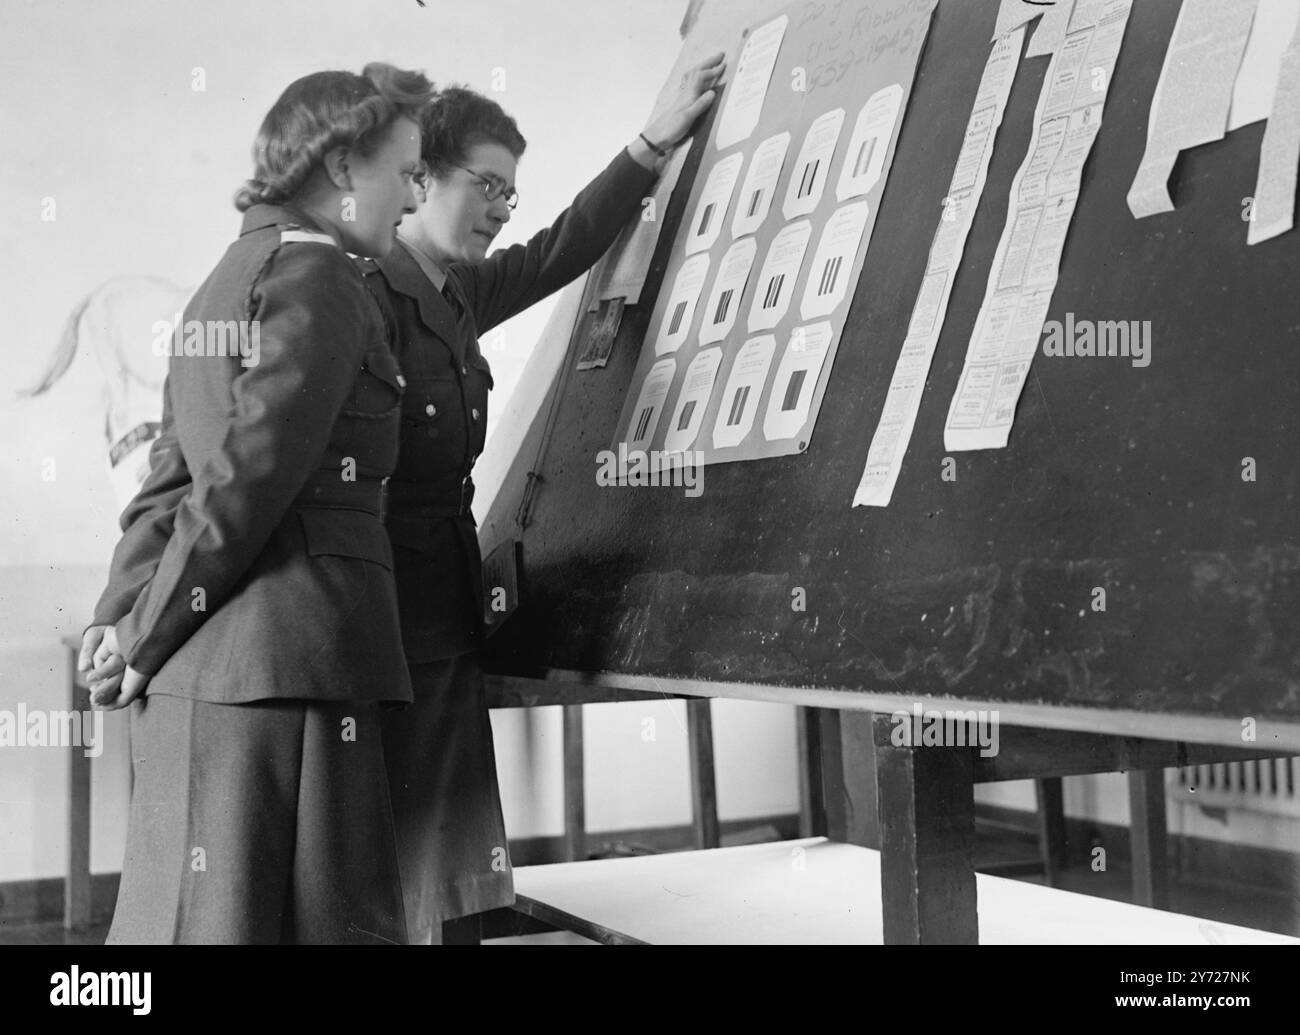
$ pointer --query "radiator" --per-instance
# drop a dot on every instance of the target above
(1267, 785)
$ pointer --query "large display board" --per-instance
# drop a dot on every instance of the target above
(1171, 487)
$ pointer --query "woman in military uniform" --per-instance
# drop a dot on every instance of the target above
(253, 588)
(439, 293)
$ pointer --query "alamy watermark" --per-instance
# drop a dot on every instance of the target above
(930, 727)
(1105, 338)
(655, 468)
(59, 729)
(212, 338)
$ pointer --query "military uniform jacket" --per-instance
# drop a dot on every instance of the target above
(444, 411)
(254, 562)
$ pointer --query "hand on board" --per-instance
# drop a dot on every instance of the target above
(698, 92)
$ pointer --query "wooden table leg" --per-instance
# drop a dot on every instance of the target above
(1147, 837)
(927, 819)
(76, 890)
(575, 804)
(704, 789)
(1051, 828)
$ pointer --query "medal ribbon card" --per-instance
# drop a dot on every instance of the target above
(766, 261)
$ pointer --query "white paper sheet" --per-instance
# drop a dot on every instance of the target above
(759, 188)
(1193, 95)
(1273, 27)
(828, 278)
(711, 210)
(1051, 29)
(688, 414)
(1027, 262)
(1274, 211)
(650, 401)
(792, 388)
(893, 433)
(728, 289)
(864, 161)
(680, 312)
(813, 167)
(748, 90)
(780, 271)
(744, 386)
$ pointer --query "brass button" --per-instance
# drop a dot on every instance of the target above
(474, 414)
(430, 410)
(464, 370)
(401, 381)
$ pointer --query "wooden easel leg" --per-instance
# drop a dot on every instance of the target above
(927, 818)
(808, 751)
(1147, 836)
(76, 889)
(575, 805)
(1051, 828)
(704, 792)
(838, 790)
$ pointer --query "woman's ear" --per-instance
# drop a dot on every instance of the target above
(336, 168)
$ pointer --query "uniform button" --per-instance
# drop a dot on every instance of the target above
(430, 410)
(464, 370)
(401, 381)
(474, 414)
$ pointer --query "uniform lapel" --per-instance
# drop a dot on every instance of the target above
(403, 274)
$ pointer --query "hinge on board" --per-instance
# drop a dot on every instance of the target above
(526, 504)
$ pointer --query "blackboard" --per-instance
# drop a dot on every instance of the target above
(980, 588)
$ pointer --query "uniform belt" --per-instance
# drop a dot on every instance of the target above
(326, 490)
(422, 500)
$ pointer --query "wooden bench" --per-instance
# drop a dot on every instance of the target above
(817, 891)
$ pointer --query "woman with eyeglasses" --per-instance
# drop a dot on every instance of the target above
(440, 292)
(251, 594)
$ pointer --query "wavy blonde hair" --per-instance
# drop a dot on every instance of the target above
(320, 112)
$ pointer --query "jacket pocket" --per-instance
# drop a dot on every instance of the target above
(379, 385)
(477, 359)
(346, 533)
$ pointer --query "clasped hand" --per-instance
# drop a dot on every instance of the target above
(113, 683)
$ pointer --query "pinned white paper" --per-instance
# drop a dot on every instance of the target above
(832, 266)
(711, 211)
(864, 161)
(728, 289)
(688, 414)
(748, 89)
(739, 401)
(796, 378)
(813, 167)
(680, 313)
(780, 271)
(649, 403)
(760, 185)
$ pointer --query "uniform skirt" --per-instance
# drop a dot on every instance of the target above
(258, 823)
(442, 776)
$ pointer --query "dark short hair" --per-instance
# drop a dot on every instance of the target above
(320, 112)
(458, 118)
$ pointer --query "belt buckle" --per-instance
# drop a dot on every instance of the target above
(462, 509)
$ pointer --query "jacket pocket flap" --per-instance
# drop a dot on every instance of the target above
(346, 533)
(383, 364)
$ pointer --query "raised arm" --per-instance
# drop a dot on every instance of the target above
(514, 278)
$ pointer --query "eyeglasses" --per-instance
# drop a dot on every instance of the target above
(492, 187)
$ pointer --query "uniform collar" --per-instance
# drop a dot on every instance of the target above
(431, 269)
(258, 217)
(406, 276)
